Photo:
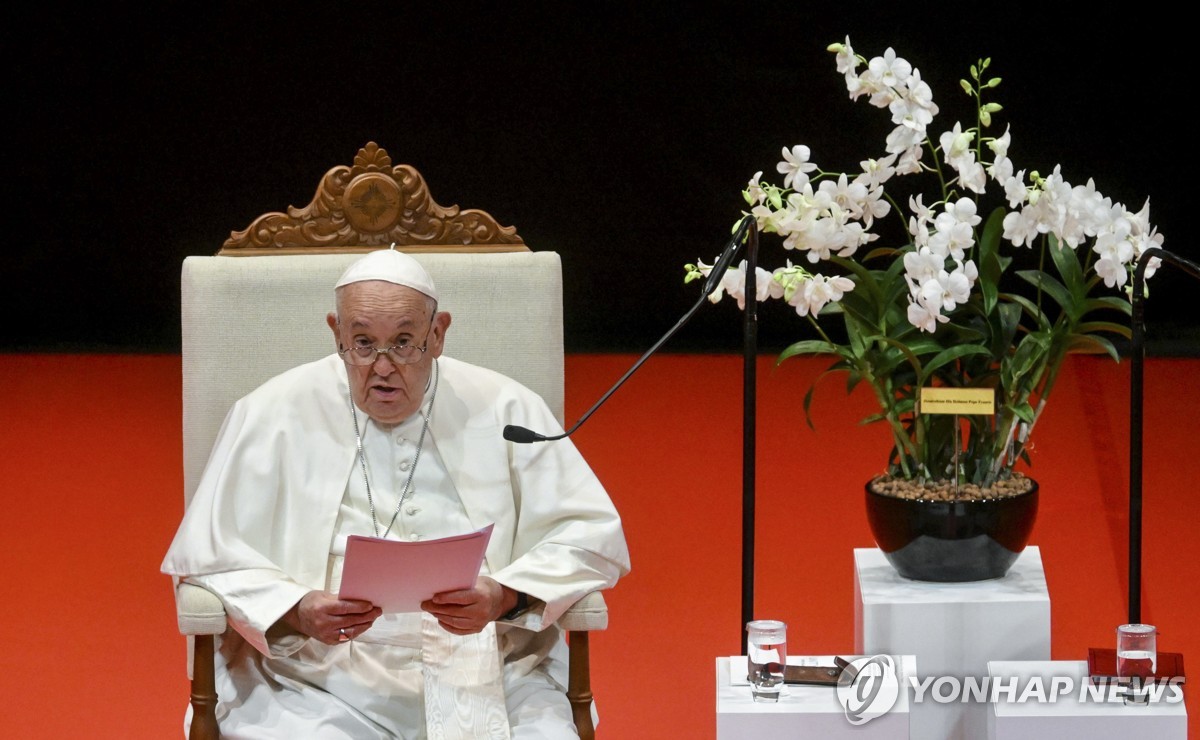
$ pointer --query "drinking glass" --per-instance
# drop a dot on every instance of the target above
(1137, 658)
(766, 643)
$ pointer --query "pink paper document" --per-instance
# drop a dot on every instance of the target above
(397, 576)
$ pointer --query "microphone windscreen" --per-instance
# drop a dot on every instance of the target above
(520, 435)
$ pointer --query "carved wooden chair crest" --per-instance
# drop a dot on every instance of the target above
(369, 205)
(266, 307)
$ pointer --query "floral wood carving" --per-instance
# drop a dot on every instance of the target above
(369, 205)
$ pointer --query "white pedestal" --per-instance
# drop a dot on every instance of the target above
(804, 711)
(953, 629)
(1076, 713)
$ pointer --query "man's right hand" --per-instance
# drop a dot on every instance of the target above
(325, 617)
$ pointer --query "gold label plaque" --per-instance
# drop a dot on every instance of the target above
(981, 401)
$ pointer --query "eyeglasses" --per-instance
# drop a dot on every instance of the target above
(399, 354)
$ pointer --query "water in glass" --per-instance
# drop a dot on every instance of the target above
(767, 655)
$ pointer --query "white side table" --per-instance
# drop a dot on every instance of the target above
(953, 629)
(804, 711)
(1076, 713)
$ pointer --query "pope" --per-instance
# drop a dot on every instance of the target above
(390, 438)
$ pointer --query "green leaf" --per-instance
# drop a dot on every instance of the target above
(1024, 412)
(1115, 303)
(1052, 288)
(990, 266)
(865, 284)
(1004, 323)
(1030, 353)
(880, 253)
(808, 396)
(858, 311)
(852, 380)
(859, 338)
(895, 285)
(1091, 327)
(809, 347)
(1067, 262)
(921, 345)
(908, 354)
(956, 333)
(885, 361)
(1093, 344)
(949, 355)
(1030, 308)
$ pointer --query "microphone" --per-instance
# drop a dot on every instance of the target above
(521, 435)
(726, 257)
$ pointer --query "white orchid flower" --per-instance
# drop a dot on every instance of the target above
(734, 282)
(875, 172)
(795, 166)
(846, 59)
(999, 145)
(956, 143)
(754, 193)
(923, 317)
(1113, 272)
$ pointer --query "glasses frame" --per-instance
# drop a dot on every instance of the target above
(351, 357)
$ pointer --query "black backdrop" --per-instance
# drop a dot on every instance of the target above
(618, 135)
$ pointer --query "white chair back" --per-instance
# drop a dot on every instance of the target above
(247, 319)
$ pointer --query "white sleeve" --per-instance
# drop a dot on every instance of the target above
(569, 539)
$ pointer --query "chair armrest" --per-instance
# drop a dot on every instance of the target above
(199, 610)
(590, 613)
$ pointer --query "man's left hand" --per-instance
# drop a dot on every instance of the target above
(469, 610)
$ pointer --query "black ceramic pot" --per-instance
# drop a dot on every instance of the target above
(952, 541)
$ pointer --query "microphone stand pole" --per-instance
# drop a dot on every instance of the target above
(749, 421)
(747, 229)
(1135, 419)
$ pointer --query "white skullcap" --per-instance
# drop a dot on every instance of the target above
(392, 267)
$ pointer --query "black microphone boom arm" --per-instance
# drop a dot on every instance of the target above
(521, 435)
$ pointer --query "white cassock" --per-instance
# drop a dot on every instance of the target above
(283, 489)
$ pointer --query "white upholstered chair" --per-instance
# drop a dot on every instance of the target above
(248, 318)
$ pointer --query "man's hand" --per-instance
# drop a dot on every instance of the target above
(468, 611)
(325, 617)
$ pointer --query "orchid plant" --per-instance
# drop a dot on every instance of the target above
(950, 305)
